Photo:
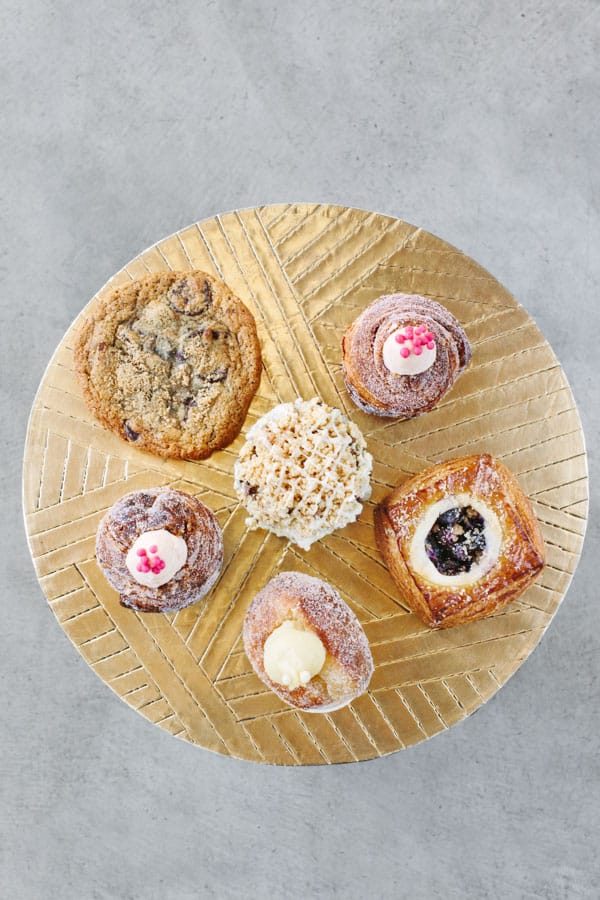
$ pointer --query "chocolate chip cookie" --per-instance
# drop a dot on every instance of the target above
(170, 363)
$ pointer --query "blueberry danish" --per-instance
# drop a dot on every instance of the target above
(460, 540)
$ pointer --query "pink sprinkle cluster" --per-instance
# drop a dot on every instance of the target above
(150, 564)
(418, 337)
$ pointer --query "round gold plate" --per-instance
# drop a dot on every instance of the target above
(306, 271)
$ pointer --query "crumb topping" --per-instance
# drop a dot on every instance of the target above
(303, 471)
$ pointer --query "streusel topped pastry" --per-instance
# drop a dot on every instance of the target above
(303, 471)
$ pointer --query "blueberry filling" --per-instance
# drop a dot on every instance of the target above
(457, 540)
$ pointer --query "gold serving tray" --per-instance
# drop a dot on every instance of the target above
(306, 271)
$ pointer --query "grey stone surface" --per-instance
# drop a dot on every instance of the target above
(124, 121)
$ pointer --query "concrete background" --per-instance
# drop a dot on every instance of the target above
(124, 121)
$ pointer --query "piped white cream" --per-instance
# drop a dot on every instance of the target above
(155, 557)
(293, 655)
(407, 353)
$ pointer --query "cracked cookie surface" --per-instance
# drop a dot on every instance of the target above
(170, 363)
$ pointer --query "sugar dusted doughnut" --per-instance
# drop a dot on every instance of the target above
(306, 644)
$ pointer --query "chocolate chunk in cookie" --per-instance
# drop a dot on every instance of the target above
(188, 297)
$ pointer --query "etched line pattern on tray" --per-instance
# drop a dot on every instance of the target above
(166, 667)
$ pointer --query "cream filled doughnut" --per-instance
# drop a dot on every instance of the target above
(305, 643)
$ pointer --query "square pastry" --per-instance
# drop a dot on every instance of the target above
(460, 540)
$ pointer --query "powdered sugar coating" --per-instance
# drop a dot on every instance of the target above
(376, 389)
(317, 606)
(303, 471)
(182, 515)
